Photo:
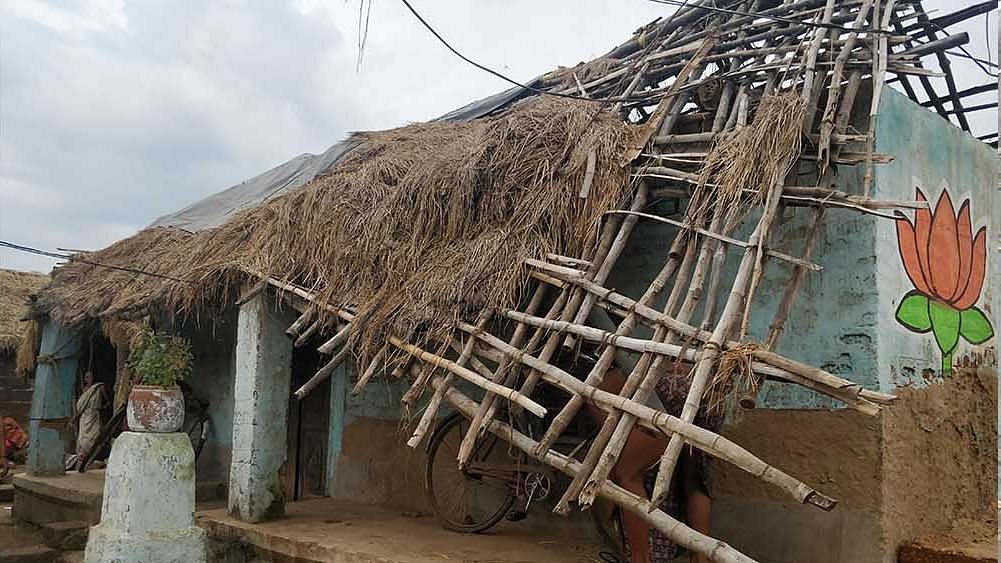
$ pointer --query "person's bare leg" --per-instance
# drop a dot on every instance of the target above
(698, 505)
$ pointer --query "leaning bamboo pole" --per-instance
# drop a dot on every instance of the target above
(673, 529)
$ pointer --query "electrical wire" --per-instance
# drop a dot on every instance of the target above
(504, 77)
(71, 258)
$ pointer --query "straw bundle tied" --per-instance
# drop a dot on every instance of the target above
(753, 158)
(414, 228)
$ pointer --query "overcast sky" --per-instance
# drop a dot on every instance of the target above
(113, 113)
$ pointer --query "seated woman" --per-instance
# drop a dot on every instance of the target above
(689, 499)
(15, 444)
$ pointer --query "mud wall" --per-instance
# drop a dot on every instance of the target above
(923, 469)
(836, 451)
(939, 463)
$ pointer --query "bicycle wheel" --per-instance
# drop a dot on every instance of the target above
(473, 499)
(108, 431)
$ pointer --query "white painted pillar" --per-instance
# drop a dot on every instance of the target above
(260, 412)
(148, 510)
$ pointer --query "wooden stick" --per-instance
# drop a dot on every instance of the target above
(305, 336)
(431, 412)
(792, 288)
(618, 245)
(470, 376)
(507, 377)
(732, 241)
(710, 351)
(322, 374)
(671, 528)
(597, 373)
(294, 329)
(664, 423)
(373, 366)
(338, 339)
(251, 293)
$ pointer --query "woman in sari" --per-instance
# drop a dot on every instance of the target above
(14, 449)
(89, 407)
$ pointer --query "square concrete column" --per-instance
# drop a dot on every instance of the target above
(52, 399)
(260, 411)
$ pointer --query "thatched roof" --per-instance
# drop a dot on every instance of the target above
(474, 199)
(15, 287)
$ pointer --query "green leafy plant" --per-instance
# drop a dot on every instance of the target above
(160, 359)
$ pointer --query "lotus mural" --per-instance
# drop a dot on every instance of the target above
(946, 264)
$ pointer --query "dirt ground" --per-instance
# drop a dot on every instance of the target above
(330, 530)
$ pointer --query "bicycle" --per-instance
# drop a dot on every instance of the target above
(498, 475)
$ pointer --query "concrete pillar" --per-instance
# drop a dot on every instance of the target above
(52, 399)
(148, 510)
(260, 412)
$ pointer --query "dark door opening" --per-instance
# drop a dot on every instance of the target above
(308, 428)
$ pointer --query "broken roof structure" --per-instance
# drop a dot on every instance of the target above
(439, 243)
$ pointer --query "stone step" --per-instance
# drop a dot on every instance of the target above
(7, 492)
(14, 382)
(65, 536)
(29, 554)
(15, 395)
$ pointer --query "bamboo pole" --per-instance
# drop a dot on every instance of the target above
(470, 376)
(618, 245)
(665, 424)
(796, 372)
(431, 412)
(597, 373)
(671, 528)
(373, 366)
(323, 373)
(711, 349)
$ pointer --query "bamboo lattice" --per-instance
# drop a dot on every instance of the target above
(735, 110)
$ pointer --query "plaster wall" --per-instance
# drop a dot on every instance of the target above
(919, 469)
(212, 379)
(936, 159)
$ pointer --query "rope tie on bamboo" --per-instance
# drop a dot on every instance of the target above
(49, 359)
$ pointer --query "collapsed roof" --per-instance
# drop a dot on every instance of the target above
(453, 234)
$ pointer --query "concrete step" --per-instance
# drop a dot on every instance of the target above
(29, 554)
(7, 492)
(14, 382)
(15, 395)
(65, 536)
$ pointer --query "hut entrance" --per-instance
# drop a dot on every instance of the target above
(308, 430)
(98, 356)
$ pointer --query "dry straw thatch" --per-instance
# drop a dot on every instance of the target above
(414, 228)
(15, 288)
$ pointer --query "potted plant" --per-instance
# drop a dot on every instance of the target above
(158, 361)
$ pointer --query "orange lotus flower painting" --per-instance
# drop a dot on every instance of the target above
(947, 264)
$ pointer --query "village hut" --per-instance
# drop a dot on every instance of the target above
(655, 212)
(18, 341)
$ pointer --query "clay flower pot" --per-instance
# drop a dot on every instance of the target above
(155, 409)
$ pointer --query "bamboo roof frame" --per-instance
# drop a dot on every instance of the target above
(663, 67)
(711, 77)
